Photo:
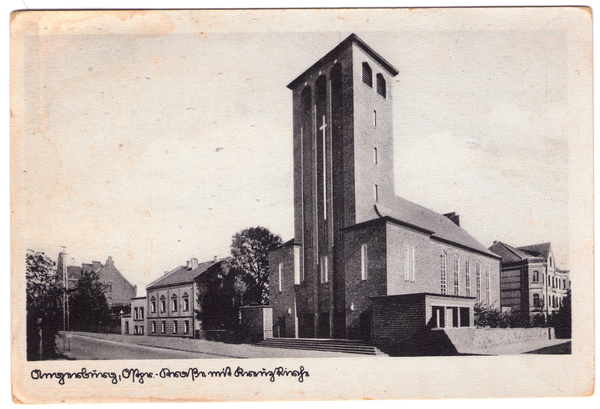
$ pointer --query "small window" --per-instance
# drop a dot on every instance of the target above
(174, 327)
(381, 90)
(163, 304)
(174, 303)
(535, 276)
(376, 192)
(367, 74)
(109, 287)
(141, 316)
(375, 155)
(186, 302)
(153, 327)
(455, 265)
(163, 327)
(186, 327)
(280, 277)
(374, 119)
(127, 327)
(364, 263)
(135, 313)
(153, 305)
(141, 330)
(324, 269)
(468, 278)
(536, 300)
(409, 263)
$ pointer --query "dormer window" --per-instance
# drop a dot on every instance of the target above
(367, 74)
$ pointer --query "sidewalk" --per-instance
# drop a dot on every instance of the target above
(218, 349)
(517, 349)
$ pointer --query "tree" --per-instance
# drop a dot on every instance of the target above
(88, 308)
(562, 320)
(250, 256)
(44, 306)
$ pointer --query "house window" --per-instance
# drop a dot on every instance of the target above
(153, 305)
(468, 278)
(141, 330)
(325, 269)
(153, 327)
(141, 313)
(163, 327)
(297, 277)
(478, 280)
(186, 327)
(536, 300)
(367, 74)
(109, 287)
(376, 193)
(186, 302)
(135, 313)
(364, 262)
(375, 156)
(455, 273)
(127, 327)
(535, 276)
(374, 119)
(163, 304)
(174, 327)
(409, 263)
(280, 277)
(381, 85)
(443, 273)
(564, 284)
(174, 303)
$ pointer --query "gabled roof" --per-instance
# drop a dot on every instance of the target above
(182, 275)
(436, 224)
(537, 250)
(508, 253)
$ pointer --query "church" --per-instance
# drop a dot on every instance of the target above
(365, 263)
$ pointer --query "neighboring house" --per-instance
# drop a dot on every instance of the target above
(119, 291)
(531, 282)
(135, 323)
(173, 300)
(365, 263)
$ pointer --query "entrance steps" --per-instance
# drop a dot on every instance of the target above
(322, 344)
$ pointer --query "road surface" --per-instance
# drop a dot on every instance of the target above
(88, 348)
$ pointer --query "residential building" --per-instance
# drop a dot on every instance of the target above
(530, 280)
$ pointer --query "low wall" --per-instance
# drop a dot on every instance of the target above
(467, 340)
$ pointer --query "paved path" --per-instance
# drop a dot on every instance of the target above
(87, 345)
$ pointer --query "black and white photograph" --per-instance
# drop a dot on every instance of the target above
(248, 198)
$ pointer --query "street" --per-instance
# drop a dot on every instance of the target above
(84, 348)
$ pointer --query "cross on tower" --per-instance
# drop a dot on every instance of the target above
(323, 129)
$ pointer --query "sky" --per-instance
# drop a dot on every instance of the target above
(154, 137)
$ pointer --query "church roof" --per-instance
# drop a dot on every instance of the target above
(182, 275)
(351, 39)
(508, 253)
(437, 225)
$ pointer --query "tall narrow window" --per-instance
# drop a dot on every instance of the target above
(141, 315)
(186, 327)
(152, 305)
(364, 263)
(297, 277)
(375, 155)
(455, 268)
(163, 304)
(535, 276)
(367, 74)
(478, 280)
(135, 313)
(443, 273)
(174, 327)
(487, 284)
(324, 269)
(376, 193)
(280, 277)
(409, 263)
(381, 90)
(163, 327)
(186, 302)
(468, 278)
(374, 119)
(174, 303)
(536, 300)
(153, 327)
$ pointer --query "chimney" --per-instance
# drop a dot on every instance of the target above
(194, 263)
(216, 259)
(109, 262)
(453, 217)
(96, 265)
(188, 265)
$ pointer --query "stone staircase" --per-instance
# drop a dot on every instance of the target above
(322, 344)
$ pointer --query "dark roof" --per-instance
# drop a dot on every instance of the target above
(508, 253)
(430, 222)
(537, 250)
(182, 275)
(352, 38)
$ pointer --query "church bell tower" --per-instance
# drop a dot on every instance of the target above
(343, 166)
